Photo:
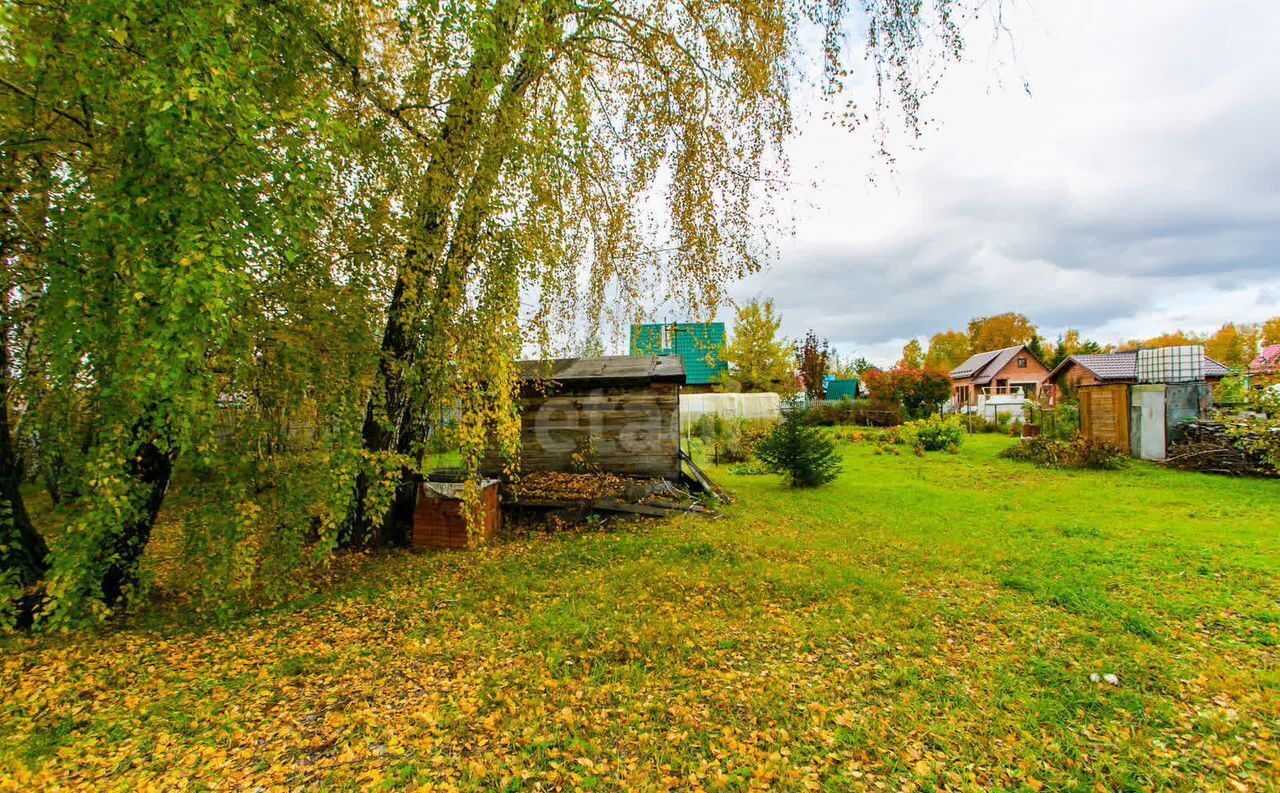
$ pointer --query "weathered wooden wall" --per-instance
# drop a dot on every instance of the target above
(635, 430)
(1104, 413)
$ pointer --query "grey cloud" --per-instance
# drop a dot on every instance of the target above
(1101, 203)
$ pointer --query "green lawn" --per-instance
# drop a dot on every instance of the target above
(923, 622)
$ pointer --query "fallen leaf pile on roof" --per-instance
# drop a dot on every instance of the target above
(555, 485)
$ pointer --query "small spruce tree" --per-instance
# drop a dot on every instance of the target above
(802, 453)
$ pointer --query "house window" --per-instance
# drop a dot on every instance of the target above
(1022, 363)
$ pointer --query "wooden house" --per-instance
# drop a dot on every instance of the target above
(700, 346)
(1112, 368)
(1012, 371)
(619, 414)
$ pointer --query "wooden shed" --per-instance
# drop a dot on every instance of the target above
(1104, 413)
(619, 414)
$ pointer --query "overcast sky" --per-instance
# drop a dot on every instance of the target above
(1135, 190)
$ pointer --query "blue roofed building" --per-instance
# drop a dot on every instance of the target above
(699, 344)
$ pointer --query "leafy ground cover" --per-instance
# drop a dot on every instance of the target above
(923, 622)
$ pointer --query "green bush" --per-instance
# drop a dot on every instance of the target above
(710, 427)
(804, 454)
(976, 423)
(730, 440)
(1061, 422)
(730, 450)
(1079, 453)
(748, 469)
(1256, 437)
(933, 434)
(850, 411)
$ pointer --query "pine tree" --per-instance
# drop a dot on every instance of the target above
(802, 453)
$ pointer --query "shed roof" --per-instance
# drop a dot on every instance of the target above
(1214, 368)
(983, 366)
(620, 369)
(1124, 365)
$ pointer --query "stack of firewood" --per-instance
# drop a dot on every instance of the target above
(1206, 447)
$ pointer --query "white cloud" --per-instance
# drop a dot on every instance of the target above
(1136, 190)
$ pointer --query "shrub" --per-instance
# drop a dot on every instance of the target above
(750, 433)
(1042, 450)
(730, 450)
(1061, 421)
(710, 427)
(1079, 453)
(918, 391)
(933, 434)
(802, 453)
(848, 435)
(1232, 391)
(1096, 454)
(732, 440)
(849, 411)
(976, 423)
(1257, 437)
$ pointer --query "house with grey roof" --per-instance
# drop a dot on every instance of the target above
(1010, 372)
(1113, 367)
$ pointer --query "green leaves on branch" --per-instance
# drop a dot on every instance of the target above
(259, 248)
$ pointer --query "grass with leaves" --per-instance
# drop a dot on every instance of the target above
(923, 622)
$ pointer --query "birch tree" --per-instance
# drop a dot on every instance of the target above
(576, 156)
(225, 219)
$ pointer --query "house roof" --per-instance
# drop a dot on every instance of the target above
(637, 369)
(1214, 368)
(983, 366)
(1268, 360)
(1124, 366)
(700, 344)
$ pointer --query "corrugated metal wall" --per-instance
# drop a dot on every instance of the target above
(839, 389)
